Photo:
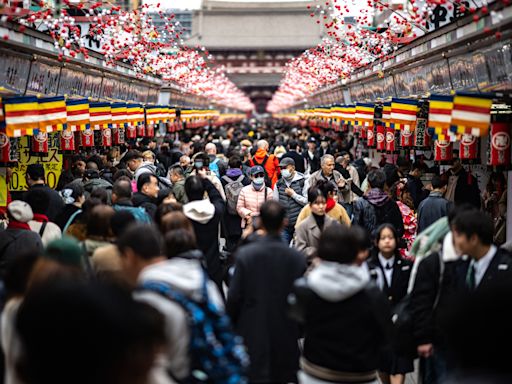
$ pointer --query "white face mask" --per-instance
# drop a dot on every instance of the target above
(258, 182)
(286, 173)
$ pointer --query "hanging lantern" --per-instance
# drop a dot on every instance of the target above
(390, 140)
(150, 130)
(370, 137)
(381, 139)
(468, 147)
(87, 138)
(406, 138)
(500, 144)
(141, 130)
(364, 133)
(5, 149)
(40, 143)
(67, 140)
(131, 132)
(106, 137)
(118, 136)
(443, 151)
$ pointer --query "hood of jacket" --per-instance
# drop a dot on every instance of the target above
(140, 198)
(259, 156)
(93, 184)
(201, 211)
(145, 167)
(184, 274)
(337, 282)
(377, 197)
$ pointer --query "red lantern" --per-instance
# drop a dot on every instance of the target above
(500, 145)
(370, 137)
(443, 151)
(106, 137)
(468, 147)
(141, 130)
(406, 138)
(390, 140)
(40, 143)
(421, 137)
(150, 131)
(381, 139)
(118, 136)
(87, 138)
(67, 140)
(131, 132)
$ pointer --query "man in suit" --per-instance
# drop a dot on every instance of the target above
(487, 265)
(257, 300)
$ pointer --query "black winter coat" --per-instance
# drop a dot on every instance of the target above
(15, 242)
(207, 234)
(346, 336)
(466, 190)
(298, 158)
(370, 216)
(56, 204)
(147, 202)
(264, 275)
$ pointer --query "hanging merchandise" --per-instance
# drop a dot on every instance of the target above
(381, 138)
(87, 138)
(443, 151)
(118, 136)
(468, 150)
(150, 131)
(40, 143)
(390, 140)
(67, 141)
(499, 145)
(371, 137)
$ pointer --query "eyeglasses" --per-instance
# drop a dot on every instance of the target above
(259, 175)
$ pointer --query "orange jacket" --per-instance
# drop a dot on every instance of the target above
(271, 166)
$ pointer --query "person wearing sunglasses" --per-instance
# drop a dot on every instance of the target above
(253, 196)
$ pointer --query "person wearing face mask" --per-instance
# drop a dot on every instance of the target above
(253, 196)
(290, 192)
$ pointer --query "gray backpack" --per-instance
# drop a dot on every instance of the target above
(232, 189)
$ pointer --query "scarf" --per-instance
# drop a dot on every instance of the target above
(13, 224)
(330, 204)
(39, 217)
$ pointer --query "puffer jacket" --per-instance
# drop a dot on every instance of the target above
(250, 201)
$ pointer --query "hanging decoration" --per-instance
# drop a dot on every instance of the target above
(471, 113)
(468, 148)
(443, 151)
(499, 154)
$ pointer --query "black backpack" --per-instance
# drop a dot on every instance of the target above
(268, 182)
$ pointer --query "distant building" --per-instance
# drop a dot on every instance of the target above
(182, 21)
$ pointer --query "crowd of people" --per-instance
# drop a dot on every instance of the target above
(254, 254)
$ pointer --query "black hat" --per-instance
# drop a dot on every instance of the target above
(132, 155)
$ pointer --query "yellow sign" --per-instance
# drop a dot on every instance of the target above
(52, 163)
(3, 187)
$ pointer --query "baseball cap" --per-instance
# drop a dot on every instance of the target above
(257, 169)
(287, 161)
(311, 140)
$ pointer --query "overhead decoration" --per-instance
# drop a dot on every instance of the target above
(471, 113)
(440, 115)
(78, 116)
(101, 115)
(353, 40)
(403, 113)
(21, 116)
(364, 114)
(52, 114)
